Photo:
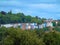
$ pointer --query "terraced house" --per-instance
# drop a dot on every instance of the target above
(28, 26)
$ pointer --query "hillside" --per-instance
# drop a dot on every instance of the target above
(9, 17)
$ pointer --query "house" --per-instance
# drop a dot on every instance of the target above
(33, 25)
(23, 26)
(6, 25)
(41, 26)
(48, 23)
(28, 26)
(10, 25)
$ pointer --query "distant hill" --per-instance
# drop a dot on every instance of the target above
(18, 18)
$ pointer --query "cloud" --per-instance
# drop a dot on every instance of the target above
(10, 3)
(43, 8)
(43, 5)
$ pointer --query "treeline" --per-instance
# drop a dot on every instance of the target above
(16, 36)
(9, 17)
(58, 23)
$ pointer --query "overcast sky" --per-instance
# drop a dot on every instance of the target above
(41, 8)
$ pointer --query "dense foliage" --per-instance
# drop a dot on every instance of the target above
(16, 36)
(58, 23)
(18, 18)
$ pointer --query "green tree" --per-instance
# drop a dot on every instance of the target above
(19, 37)
(51, 38)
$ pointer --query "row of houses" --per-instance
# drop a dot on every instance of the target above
(29, 26)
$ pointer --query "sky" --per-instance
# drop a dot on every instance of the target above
(41, 8)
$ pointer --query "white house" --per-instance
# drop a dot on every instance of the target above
(6, 25)
(48, 23)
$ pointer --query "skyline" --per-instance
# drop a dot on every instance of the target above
(41, 8)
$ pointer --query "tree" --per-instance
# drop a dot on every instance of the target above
(58, 24)
(10, 12)
(54, 24)
(51, 38)
(28, 19)
(18, 18)
(2, 12)
(2, 35)
(15, 36)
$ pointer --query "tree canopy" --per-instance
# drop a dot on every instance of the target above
(16, 36)
(18, 18)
